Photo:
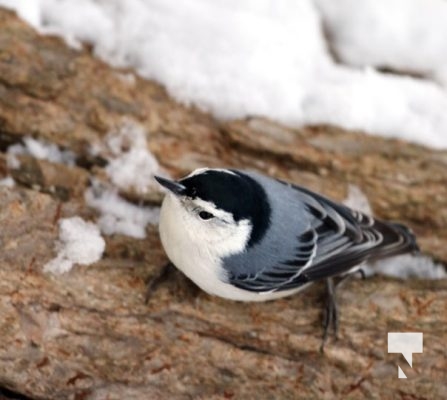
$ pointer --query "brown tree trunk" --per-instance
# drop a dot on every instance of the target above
(87, 334)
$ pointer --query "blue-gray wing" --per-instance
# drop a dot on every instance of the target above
(323, 239)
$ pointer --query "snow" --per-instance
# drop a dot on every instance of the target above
(131, 164)
(407, 266)
(28, 10)
(12, 161)
(7, 182)
(357, 200)
(400, 34)
(118, 216)
(80, 242)
(40, 150)
(237, 58)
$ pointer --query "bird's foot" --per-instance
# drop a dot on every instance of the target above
(184, 287)
(154, 281)
(330, 319)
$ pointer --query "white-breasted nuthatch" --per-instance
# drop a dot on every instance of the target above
(244, 236)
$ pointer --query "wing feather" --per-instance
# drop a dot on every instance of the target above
(337, 240)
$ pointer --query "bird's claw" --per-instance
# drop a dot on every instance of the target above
(331, 308)
(330, 313)
(155, 280)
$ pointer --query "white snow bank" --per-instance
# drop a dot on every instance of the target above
(407, 35)
(244, 57)
(80, 242)
(404, 266)
(118, 215)
(28, 10)
(41, 150)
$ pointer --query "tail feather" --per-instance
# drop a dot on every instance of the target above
(379, 239)
(397, 239)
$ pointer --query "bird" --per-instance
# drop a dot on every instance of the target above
(244, 236)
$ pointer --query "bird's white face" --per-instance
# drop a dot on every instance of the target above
(201, 227)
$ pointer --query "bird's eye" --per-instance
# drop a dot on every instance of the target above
(205, 215)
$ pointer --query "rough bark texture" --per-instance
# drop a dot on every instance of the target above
(88, 334)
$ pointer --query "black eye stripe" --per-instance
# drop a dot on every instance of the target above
(205, 215)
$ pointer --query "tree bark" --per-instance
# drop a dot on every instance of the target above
(88, 334)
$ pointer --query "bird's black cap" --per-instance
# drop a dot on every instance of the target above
(234, 192)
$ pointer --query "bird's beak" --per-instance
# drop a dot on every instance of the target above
(172, 186)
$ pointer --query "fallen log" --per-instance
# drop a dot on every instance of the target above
(88, 334)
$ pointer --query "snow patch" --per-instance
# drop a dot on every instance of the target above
(357, 200)
(407, 266)
(131, 164)
(80, 242)
(7, 182)
(118, 215)
(12, 161)
(41, 150)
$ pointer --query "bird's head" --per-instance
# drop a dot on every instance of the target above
(220, 209)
